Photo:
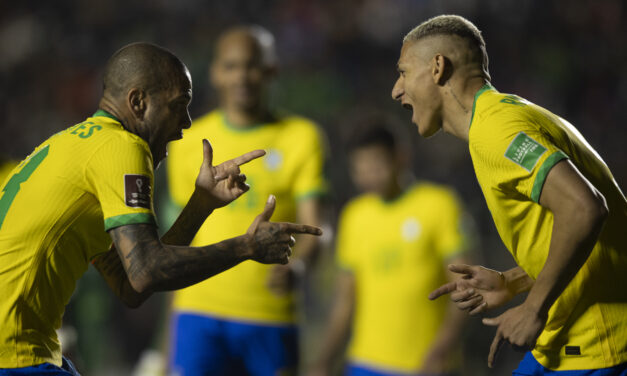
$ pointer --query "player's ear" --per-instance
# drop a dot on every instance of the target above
(441, 69)
(136, 101)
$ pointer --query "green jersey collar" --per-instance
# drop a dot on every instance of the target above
(233, 127)
(483, 89)
(106, 114)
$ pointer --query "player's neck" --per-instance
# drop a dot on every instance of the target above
(240, 118)
(393, 191)
(108, 105)
(459, 98)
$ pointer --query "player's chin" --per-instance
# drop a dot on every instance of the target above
(427, 129)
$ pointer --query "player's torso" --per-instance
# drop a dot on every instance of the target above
(243, 289)
(517, 217)
(397, 266)
(576, 320)
(51, 226)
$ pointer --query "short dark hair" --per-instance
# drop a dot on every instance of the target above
(373, 135)
(448, 24)
(262, 37)
(146, 65)
(375, 128)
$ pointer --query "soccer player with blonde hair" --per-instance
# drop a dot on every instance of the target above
(554, 201)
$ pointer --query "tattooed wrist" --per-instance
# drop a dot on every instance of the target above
(204, 200)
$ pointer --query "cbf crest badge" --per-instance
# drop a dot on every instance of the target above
(410, 229)
(273, 160)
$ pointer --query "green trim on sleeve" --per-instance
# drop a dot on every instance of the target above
(483, 89)
(543, 172)
(104, 113)
(129, 219)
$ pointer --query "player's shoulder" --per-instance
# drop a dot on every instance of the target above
(433, 193)
(207, 122)
(100, 132)
(496, 113)
(210, 119)
(203, 127)
(361, 204)
(297, 124)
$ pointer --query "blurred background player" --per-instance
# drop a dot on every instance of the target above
(554, 202)
(394, 242)
(245, 320)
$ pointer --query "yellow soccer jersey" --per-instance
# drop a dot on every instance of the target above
(54, 211)
(397, 252)
(292, 170)
(514, 144)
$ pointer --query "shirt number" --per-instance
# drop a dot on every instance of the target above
(13, 185)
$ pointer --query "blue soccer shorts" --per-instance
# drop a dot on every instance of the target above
(46, 369)
(204, 345)
(529, 366)
(354, 369)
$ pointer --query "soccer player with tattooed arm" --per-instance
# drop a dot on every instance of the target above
(554, 201)
(89, 188)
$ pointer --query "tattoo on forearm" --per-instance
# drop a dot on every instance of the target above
(185, 227)
(166, 267)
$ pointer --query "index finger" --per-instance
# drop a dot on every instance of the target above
(245, 158)
(460, 268)
(443, 290)
(294, 228)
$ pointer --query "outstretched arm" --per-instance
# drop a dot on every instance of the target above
(215, 187)
(579, 212)
(154, 266)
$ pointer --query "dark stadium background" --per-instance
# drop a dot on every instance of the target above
(337, 58)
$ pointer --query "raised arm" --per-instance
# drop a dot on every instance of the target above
(215, 187)
(579, 212)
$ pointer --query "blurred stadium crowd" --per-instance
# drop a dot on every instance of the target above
(337, 58)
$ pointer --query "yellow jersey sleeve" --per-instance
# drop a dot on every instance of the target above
(121, 175)
(309, 180)
(515, 157)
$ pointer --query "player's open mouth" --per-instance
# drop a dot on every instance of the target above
(407, 106)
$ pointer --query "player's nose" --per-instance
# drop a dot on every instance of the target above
(187, 121)
(397, 90)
